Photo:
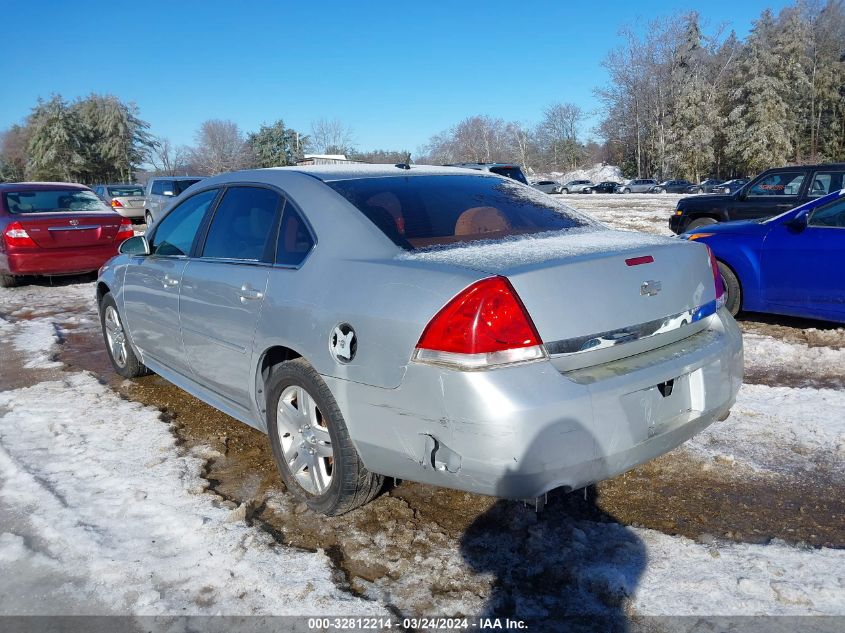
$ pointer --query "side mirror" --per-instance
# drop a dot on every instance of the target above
(799, 222)
(137, 246)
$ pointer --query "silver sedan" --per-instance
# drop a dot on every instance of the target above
(432, 324)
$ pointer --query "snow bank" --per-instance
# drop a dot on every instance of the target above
(596, 173)
(807, 366)
(95, 484)
(779, 429)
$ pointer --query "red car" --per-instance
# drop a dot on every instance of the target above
(55, 229)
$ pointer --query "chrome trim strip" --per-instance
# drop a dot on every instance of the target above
(621, 336)
(74, 228)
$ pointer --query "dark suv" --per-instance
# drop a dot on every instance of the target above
(508, 170)
(769, 194)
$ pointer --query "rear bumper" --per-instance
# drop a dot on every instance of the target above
(128, 212)
(58, 261)
(521, 431)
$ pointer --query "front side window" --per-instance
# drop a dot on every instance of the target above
(825, 182)
(422, 211)
(157, 188)
(242, 224)
(176, 232)
(53, 201)
(830, 215)
(780, 184)
(295, 240)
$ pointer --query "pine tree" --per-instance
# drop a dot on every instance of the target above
(54, 143)
(759, 129)
(276, 146)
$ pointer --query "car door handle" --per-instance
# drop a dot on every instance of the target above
(170, 282)
(248, 293)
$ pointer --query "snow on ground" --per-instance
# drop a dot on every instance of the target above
(805, 365)
(647, 212)
(779, 429)
(37, 339)
(99, 494)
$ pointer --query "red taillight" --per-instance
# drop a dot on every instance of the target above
(486, 324)
(16, 236)
(125, 231)
(717, 279)
(116, 204)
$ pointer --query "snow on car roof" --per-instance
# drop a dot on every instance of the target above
(370, 170)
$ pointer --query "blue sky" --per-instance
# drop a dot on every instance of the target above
(396, 72)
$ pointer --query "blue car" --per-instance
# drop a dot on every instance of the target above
(792, 264)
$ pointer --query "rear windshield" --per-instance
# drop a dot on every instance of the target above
(181, 185)
(118, 192)
(510, 172)
(53, 200)
(423, 211)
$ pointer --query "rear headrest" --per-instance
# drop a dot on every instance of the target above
(481, 220)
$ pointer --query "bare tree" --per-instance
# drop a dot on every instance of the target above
(331, 136)
(220, 146)
(170, 159)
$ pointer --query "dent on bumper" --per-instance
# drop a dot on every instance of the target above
(521, 431)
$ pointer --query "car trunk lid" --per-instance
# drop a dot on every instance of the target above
(600, 295)
(61, 230)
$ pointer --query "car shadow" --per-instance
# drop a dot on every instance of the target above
(571, 566)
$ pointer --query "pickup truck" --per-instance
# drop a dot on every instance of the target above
(771, 193)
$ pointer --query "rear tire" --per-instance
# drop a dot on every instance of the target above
(699, 222)
(120, 351)
(733, 291)
(311, 445)
(7, 281)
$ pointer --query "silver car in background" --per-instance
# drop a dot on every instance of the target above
(547, 186)
(576, 186)
(438, 325)
(126, 200)
(638, 185)
(160, 192)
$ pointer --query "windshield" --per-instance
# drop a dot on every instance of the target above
(181, 185)
(53, 201)
(510, 172)
(129, 190)
(423, 211)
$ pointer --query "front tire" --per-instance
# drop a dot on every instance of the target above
(564, 190)
(733, 291)
(699, 222)
(626, 190)
(311, 445)
(120, 351)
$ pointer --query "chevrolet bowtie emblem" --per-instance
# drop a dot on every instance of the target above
(650, 288)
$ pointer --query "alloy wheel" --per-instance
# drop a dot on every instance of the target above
(115, 336)
(305, 439)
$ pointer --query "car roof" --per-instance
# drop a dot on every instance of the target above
(20, 186)
(328, 173)
(814, 166)
(178, 177)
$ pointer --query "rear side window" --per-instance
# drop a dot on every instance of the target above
(175, 234)
(53, 201)
(180, 185)
(825, 182)
(423, 211)
(510, 172)
(295, 240)
(781, 184)
(242, 224)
